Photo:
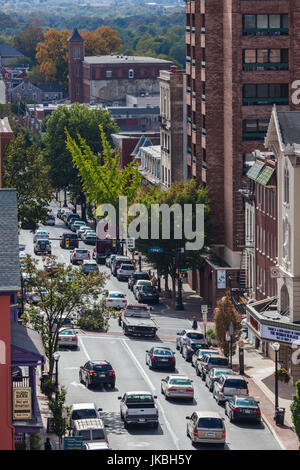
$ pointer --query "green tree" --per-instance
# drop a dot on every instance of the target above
(225, 314)
(76, 119)
(64, 292)
(56, 407)
(25, 170)
(27, 40)
(295, 409)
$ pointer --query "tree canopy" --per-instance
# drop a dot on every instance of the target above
(225, 314)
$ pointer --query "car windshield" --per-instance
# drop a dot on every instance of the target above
(98, 434)
(86, 435)
(180, 382)
(195, 345)
(223, 372)
(70, 235)
(91, 235)
(230, 383)
(210, 423)
(117, 296)
(102, 367)
(195, 336)
(144, 283)
(83, 414)
(127, 267)
(139, 398)
(43, 242)
(162, 352)
(90, 267)
(246, 402)
(148, 289)
(67, 332)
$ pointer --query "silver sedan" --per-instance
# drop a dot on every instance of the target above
(67, 338)
(177, 386)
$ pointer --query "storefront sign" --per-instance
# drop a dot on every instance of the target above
(73, 443)
(22, 403)
(279, 334)
(221, 279)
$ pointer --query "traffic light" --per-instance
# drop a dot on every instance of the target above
(114, 242)
(67, 243)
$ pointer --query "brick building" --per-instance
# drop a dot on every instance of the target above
(108, 79)
(129, 141)
(242, 57)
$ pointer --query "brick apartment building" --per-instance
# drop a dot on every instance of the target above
(242, 57)
(108, 79)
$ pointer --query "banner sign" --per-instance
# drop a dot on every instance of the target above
(280, 334)
(22, 403)
(221, 279)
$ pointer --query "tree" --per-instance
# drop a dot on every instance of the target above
(52, 56)
(27, 40)
(25, 170)
(225, 314)
(64, 292)
(102, 41)
(295, 409)
(77, 119)
(56, 407)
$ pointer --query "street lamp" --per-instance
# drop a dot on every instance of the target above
(276, 347)
(56, 357)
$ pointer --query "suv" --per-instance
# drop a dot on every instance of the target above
(213, 361)
(124, 271)
(147, 294)
(97, 372)
(190, 347)
(91, 430)
(116, 264)
(78, 255)
(71, 218)
(73, 240)
(228, 386)
(42, 246)
(184, 335)
(83, 411)
(206, 427)
(137, 277)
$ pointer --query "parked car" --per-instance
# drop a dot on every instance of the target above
(109, 260)
(40, 234)
(191, 346)
(42, 246)
(160, 358)
(228, 386)
(118, 260)
(70, 219)
(91, 430)
(83, 411)
(184, 335)
(206, 427)
(212, 361)
(116, 300)
(177, 386)
(76, 224)
(50, 220)
(124, 271)
(241, 407)
(214, 376)
(96, 373)
(202, 358)
(81, 230)
(90, 238)
(35, 297)
(139, 284)
(198, 354)
(139, 407)
(71, 238)
(148, 294)
(67, 338)
(66, 214)
(89, 266)
(78, 255)
(138, 276)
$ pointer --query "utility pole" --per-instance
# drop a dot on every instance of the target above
(231, 331)
(179, 305)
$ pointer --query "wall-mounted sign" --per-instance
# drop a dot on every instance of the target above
(279, 334)
(275, 273)
(221, 279)
(22, 403)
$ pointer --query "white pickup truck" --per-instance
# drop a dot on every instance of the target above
(138, 408)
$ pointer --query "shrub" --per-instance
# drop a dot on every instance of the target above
(35, 441)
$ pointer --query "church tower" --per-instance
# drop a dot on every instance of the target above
(75, 64)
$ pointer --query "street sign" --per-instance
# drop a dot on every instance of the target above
(73, 443)
(227, 336)
(204, 309)
(155, 249)
(185, 269)
(130, 243)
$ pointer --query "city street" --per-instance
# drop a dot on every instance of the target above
(127, 357)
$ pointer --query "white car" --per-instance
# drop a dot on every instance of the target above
(177, 386)
(40, 234)
(86, 233)
(138, 284)
(81, 230)
(116, 300)
(83, 411)
(124, 271)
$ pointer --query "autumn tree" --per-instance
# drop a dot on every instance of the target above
(225, 314)
(27, 40)
(102, 41)
(52, 56)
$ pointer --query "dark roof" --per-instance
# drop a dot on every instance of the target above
(9, 241)
(289, 122)
(75, 36)
(8, 51)
(27, 339)
(49, 87)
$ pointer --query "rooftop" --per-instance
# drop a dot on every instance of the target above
(8, 51)
(122, 59)
(289, 122)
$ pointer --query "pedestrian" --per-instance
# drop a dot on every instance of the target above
(195, 324)
(47, 444)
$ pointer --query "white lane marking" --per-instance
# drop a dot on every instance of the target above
(144, 375)
(84, 348)
(77, 384)
(71, 368)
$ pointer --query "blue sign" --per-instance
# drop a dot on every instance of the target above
(155, 249)
(73, 443)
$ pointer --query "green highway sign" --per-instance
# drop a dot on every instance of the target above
(185, 269)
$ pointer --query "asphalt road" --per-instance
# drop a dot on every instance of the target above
(127, 356)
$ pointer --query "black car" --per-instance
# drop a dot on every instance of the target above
(71, 218)
(96, 373)
(190, 347)
(71, 238)
(160, 358)
(141, 276)
(241, 407)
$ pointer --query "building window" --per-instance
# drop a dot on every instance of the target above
(255, 129)
(265, 59)
(108, 73)
(265, 25)
(286, 184)
(265, 94)
(131, 73)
